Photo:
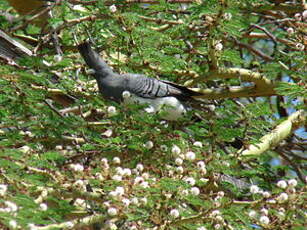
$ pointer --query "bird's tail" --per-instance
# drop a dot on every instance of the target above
(93, 59)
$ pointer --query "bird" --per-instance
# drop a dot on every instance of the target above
(159, 95)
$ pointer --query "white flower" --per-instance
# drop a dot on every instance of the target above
(217, 226)
(104, 161)
(139, 167)
(176, 150)
(264, 220)
(135, 201)
(264, 211)
(198, 144)
(290, 30)
(200, 164)
(304, 14)
(119, 171)
(145, 175)
(117, 178)
(126, 202)
(144, 184)
(190, 180)
(80, 203)
(300, 46)
(12, 207)
(266, 194)
(292, 183)
(112, 211)
(297, 16)
(69, 225)
(174, 213)
(112, 226)
(144, 200)
(116, 160)
(120, 190)
(179, 169)
(227, 16)
(178, 161)
(138, 180)
(164, 148)
(190, 156)
(219, 46)
(77, 167)
(271, 201)
(111, 110)
(252, 214)
(215, 213)
(127, 172)
(283, 197)
(254, 189)
(195, 191)
(126, 94)
(43, 207)
(3, 189)
(149, 145)
(113, 9)
(13, 224)
(282, 184)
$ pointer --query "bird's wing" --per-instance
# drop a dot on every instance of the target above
(147, 87)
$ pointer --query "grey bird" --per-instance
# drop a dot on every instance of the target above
(138, 88)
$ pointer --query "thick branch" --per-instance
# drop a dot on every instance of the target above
(283, 130)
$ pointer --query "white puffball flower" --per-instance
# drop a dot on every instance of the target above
(69, 225)
(198, 144)
(164, 148)
(43, 207)
(283, 197)
(112, 211)
(13, 224)
(264, 220)
(77, 167)
(127, 172)
(292, 183)
(282, 184)
(116, 160)
(135, 201)
(139, 167)
(254, 189)
(126, 202)
(144, 200)
(119, 171)
(190, 180)
(300, 46)
(217, 226)
(111, 111)
(215, 213)
(126, 94)
(290, 30)
(252, 214)
(12, 207)
(120, 190)
(178, 161)
(190, 156)
(145, 175)
(266, 194)
(176, 150)
(113, 8)
(149, 145)
(144, 184)
(117, 178)
(219, 46)
(3, 189)
(104, 161)
(264, 211)
(174, 213)
(195, 191)
(138, 180)
(200, 164)
(179, 169)
(201, 228)
(227, 16)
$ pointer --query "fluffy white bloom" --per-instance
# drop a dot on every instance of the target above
(127, 172)
(3, 189)
(126, 202)
(80, 203)
(104, 161)
(138, 180)
(254, 189)
(292, 183)
(176, 150)
(252, 214)
(190, 180)
(300, 46)
(13, 224)
(164, 148)
(144, 200)
(174, 213)
(113, 9)
(200, 164)
(145, 175)
(290, 30)
(179, 169)
(266, 194)
(264, 220)
(178, 161)
(112, 211)
(219, 46)
(69, 225)
(215, 213)
(117, 178)
(220, 194)
(198, 144)
(12, 207)
(185, 192)
(135, 201)
(282, 184)
(120, 190)
(149, 145)
(190, 156)
(283, 197)
(77, 167)
(227, 16)
(119, 171)
(144, 184)
(116, 160)
(43, 207)
(126, 94)
(139, 167)
(111, 110)
(264, 211)
(195, 191)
